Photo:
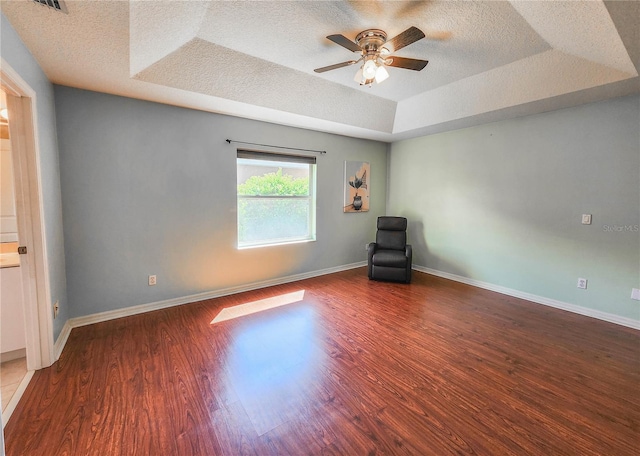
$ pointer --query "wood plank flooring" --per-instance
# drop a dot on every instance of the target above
(354, 368)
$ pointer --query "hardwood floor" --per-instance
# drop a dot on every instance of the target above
(354, 368)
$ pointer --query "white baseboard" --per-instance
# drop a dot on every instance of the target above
(61, 341)
(134, 310)
(14, 354)
(143, 308)
(611, 318)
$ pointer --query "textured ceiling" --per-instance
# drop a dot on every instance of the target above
(488, 60)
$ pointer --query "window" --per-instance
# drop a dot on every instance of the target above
(276, 198)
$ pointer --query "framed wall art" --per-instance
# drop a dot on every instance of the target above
(356, 186)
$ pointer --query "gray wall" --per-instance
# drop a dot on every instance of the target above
(20, 59)
(150, 189)
(502, 203)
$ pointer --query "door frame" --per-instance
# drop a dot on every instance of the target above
(23, 132)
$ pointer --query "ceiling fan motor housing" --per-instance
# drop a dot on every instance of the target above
(371, 40)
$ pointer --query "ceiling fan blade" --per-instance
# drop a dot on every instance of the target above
(345, 42)
(411, 9)
(441, 35)
(333, 67)
(410, 35)
(409, 64)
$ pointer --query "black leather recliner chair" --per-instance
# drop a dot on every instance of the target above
(390, 256)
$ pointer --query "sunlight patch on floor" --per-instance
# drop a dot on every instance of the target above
(229, 313)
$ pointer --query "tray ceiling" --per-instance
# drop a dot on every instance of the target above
(488, 60)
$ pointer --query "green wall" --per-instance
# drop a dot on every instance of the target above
(501, 203)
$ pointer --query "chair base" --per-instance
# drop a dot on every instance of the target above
(390, 274)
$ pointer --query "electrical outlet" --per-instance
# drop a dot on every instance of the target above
(582, 283)
(366, 247)
(152, 280)
(635, 294)
(56, 308)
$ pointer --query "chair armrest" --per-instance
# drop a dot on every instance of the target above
(371, 249)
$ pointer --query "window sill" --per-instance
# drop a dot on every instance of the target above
(275, 244)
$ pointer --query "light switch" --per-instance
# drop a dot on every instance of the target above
(586, 219)
(635, 294)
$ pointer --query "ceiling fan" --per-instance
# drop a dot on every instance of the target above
(375, 53)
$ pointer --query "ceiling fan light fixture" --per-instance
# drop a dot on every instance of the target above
(370, 68)
(381, 74)
(371, 71)
(362, 79)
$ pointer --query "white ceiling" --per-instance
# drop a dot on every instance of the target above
(488, 60)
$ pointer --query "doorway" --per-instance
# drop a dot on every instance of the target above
(38, 320)
(13, 352)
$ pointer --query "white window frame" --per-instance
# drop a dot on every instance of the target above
(278, 160)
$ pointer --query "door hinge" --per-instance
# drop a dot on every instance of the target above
(22, 250)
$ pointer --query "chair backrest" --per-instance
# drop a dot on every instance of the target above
(392, 233)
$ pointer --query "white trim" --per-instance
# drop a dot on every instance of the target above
(11, 406)
(21, 99)
(611, 318)
(14, 354)
(143, 308)
(135, 310)
(8, 237)
(61, 341)
(13, 83)
(276, 243)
